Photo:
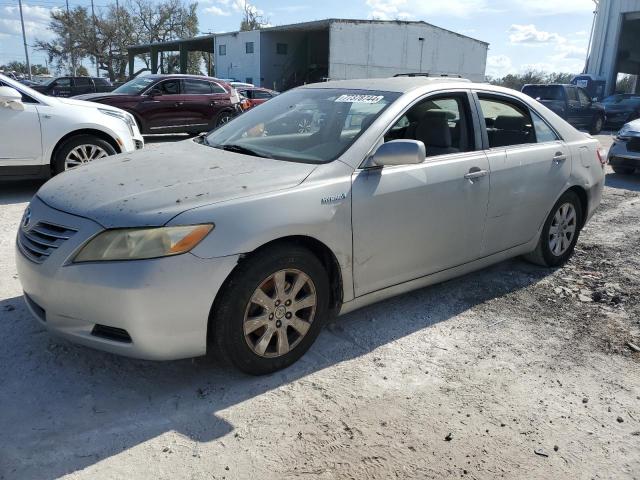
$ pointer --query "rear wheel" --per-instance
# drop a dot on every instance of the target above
(222, 118)
(271, 310)
(559, 233)
(80, 150)
(596, 125)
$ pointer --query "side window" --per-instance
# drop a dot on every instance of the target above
(82, 81)
(62, 83)
(170, 87)
(572, 95)
(25, 98)
(508, 123)
(442, 123)
(261, 94)
(543, 131)
(583, 97)
(196, 87)
(215, 88)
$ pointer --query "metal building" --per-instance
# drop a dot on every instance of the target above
(286, 56)
(615, 43)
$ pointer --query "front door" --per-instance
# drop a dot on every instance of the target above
(160, 106)
(529, 167)
(413, 220)
(16, 126)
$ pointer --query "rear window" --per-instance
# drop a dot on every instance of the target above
(544, 92)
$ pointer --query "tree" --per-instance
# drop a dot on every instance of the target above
(21, 67)
(252, 19)
(517, 81)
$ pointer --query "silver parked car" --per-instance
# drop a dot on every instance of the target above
(624, 154)
(246, 240)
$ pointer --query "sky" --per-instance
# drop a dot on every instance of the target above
(549, 35)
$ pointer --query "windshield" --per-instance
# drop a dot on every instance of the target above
(625, 100)
(305, 125)
(137, 85)
(544, 92)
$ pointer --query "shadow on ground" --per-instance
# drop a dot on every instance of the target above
(66, 407)
(623, 182)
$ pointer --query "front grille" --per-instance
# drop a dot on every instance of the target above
(42, 239)
(634, 144)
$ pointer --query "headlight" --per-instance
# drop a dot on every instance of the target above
(124, 116)
(141, 243)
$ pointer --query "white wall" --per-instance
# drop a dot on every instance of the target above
(237, 63)
(366, 50)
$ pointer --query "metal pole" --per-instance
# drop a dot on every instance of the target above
(24, 40)
(95, 42)
(70, 48)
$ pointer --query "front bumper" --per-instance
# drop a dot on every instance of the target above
(625, 152)
(162, 304)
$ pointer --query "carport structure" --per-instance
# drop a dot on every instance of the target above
(182, 46)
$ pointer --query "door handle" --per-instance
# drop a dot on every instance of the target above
(558, 158)
(474, 173)
(177, 104)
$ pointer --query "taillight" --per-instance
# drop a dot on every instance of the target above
(602, 155)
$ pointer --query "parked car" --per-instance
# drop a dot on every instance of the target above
(570, 102)
(254, 240)
(174, 103)
(622, 108)
(41, 135)
(72, 86)
(256, 95)
(624, 154)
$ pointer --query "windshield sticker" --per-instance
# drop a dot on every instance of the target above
(359, 98)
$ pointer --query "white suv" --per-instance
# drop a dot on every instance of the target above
(42, 136)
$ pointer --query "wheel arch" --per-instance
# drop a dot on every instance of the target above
(584, 201)
(84, 131)
(319, 249)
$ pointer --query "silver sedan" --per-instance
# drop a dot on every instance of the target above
(327, 198)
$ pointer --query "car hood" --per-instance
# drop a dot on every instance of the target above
(73, 102)
(635, 125)
(92, 97)
(151, 186)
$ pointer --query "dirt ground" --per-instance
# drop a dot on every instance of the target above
(512, 372)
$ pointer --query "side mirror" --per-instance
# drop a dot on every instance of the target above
(11, 98)
(398, 152)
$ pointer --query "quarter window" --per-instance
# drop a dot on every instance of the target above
(544, 133)
(508, 123)
(217, 88)
(222, 50)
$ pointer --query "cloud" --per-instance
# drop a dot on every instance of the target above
(530, 35)
(36, 22)
(553, 7)
(217, 11)
(416, 9)
(499, 65)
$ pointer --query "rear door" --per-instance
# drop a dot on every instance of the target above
(587, 110)
(198, 103)
(60, 87)
(530, 166)
(575, 114)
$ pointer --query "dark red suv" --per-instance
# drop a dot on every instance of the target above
(173, 103)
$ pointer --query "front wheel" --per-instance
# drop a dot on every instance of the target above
(559, 233)
(622, 170)
(271, 310)
(80, 150)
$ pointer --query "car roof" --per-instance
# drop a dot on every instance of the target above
(179, 75)
(392, 84)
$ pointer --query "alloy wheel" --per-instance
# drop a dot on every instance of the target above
(280, 313)
(83, 154)
(563, 229)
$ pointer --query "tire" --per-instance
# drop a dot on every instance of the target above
(623, 170)
(223, 118)
(543, 254)
(234, 314)
(102, 149)
(596, 125)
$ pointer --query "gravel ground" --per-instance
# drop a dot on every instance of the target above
(515, 371)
